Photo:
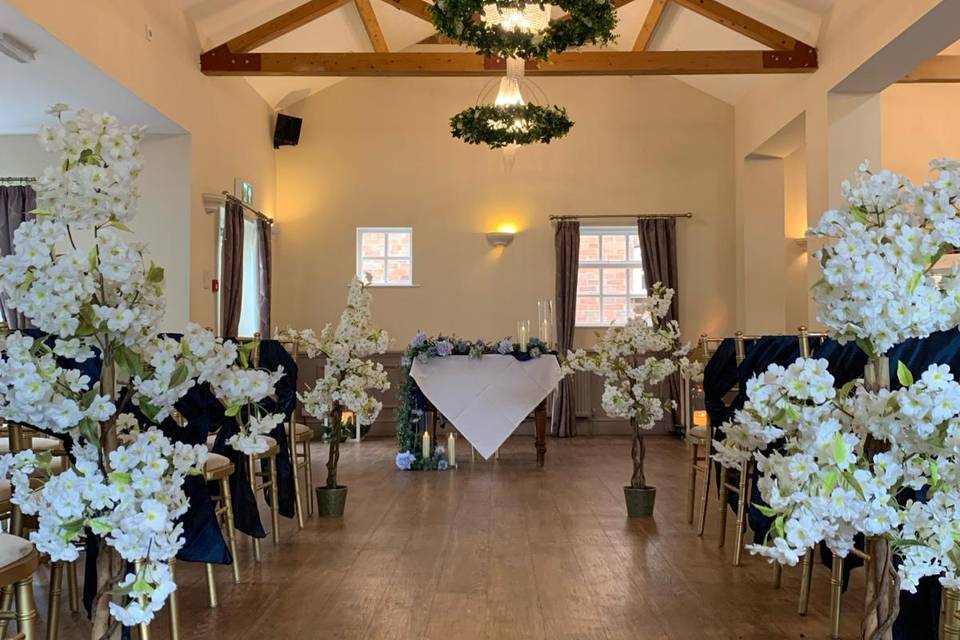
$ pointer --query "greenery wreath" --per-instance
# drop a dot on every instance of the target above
(496, 125)
(590, 21)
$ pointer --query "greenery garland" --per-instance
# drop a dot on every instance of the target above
(410, 415)
(589, 21)
(496, 126)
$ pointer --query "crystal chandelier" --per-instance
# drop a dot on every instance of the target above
(509, 94)
(532, 18)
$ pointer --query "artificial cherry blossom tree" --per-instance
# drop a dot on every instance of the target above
(348, 372)
(632, 359)
(104, 301)
(865, 459)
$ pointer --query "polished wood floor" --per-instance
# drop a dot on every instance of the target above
(503, 550)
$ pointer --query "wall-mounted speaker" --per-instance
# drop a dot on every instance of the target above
(287, 131)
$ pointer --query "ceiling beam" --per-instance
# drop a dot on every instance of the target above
(417, 8)
(937, 69)
(273, 29)
(221, 61)
(743, 24)
(371, 26)
(650, 24)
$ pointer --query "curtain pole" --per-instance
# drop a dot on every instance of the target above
(628, 216)
(243, 204)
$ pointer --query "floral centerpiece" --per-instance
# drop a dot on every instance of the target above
(347, 378)
(410, 412)
(866, 459)
(104, 302)
(631, 359)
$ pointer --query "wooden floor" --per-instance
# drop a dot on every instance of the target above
(502, 550)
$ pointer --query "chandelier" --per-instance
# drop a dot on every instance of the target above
(530, 18)
(510, 121)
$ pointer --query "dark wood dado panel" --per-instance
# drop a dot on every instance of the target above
(591, 419)
(312, 368)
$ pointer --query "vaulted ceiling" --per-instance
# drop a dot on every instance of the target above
(342, 30)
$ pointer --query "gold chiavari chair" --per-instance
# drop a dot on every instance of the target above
(742, 488)
(699, 439)
(219, 469)
(260, 481)
(18, 562)
(299, 437)
(18, 439)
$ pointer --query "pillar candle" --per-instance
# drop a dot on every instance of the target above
(451, 450)
(426, 445)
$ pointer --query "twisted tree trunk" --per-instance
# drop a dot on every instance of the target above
(110, 566)
(333, 458)
(639, 452)
(883, 582)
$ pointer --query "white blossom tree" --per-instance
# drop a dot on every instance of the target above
(865, 459)
(105, 301)
(632, 359)
(348, 372)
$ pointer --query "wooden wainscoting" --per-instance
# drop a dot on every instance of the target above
(591, 419)
(312, 368)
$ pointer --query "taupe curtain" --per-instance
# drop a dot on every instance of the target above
(265, 274)
(658, 246)
(567, 244)
(231, 289)
(15, 204)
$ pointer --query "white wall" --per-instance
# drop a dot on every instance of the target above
(163, 217)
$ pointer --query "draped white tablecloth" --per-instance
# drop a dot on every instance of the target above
(486, 398)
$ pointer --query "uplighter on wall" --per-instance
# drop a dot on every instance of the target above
(500, 238)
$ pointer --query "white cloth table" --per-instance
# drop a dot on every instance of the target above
(487, 398)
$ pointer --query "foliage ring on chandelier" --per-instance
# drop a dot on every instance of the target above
(513, 28)
(510, 121)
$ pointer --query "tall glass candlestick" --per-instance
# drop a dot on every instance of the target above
(540, 317)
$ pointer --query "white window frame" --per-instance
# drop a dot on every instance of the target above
(601, 264)
(385, 258)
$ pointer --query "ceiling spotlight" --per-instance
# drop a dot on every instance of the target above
(16, 50)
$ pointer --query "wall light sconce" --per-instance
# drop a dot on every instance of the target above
(500, 238)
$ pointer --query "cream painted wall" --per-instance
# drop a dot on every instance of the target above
(854, 34)
(763, 205)
(378, 152)
(919, 124)
(163, 212)
(796, 291)
(230, 124)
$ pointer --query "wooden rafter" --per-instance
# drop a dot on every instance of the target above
(417, 8)
(371, 25)
(650, 24)
(221, 61)
(743, 24)
(944, 69)
(273, 29)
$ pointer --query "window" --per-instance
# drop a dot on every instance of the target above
(250, 300)
(610, 276)
(386, 253)
(249, 303)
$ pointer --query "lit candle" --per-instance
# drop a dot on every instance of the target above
(426, 445)
(523, 335)
(451, 450)
(699, 418)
